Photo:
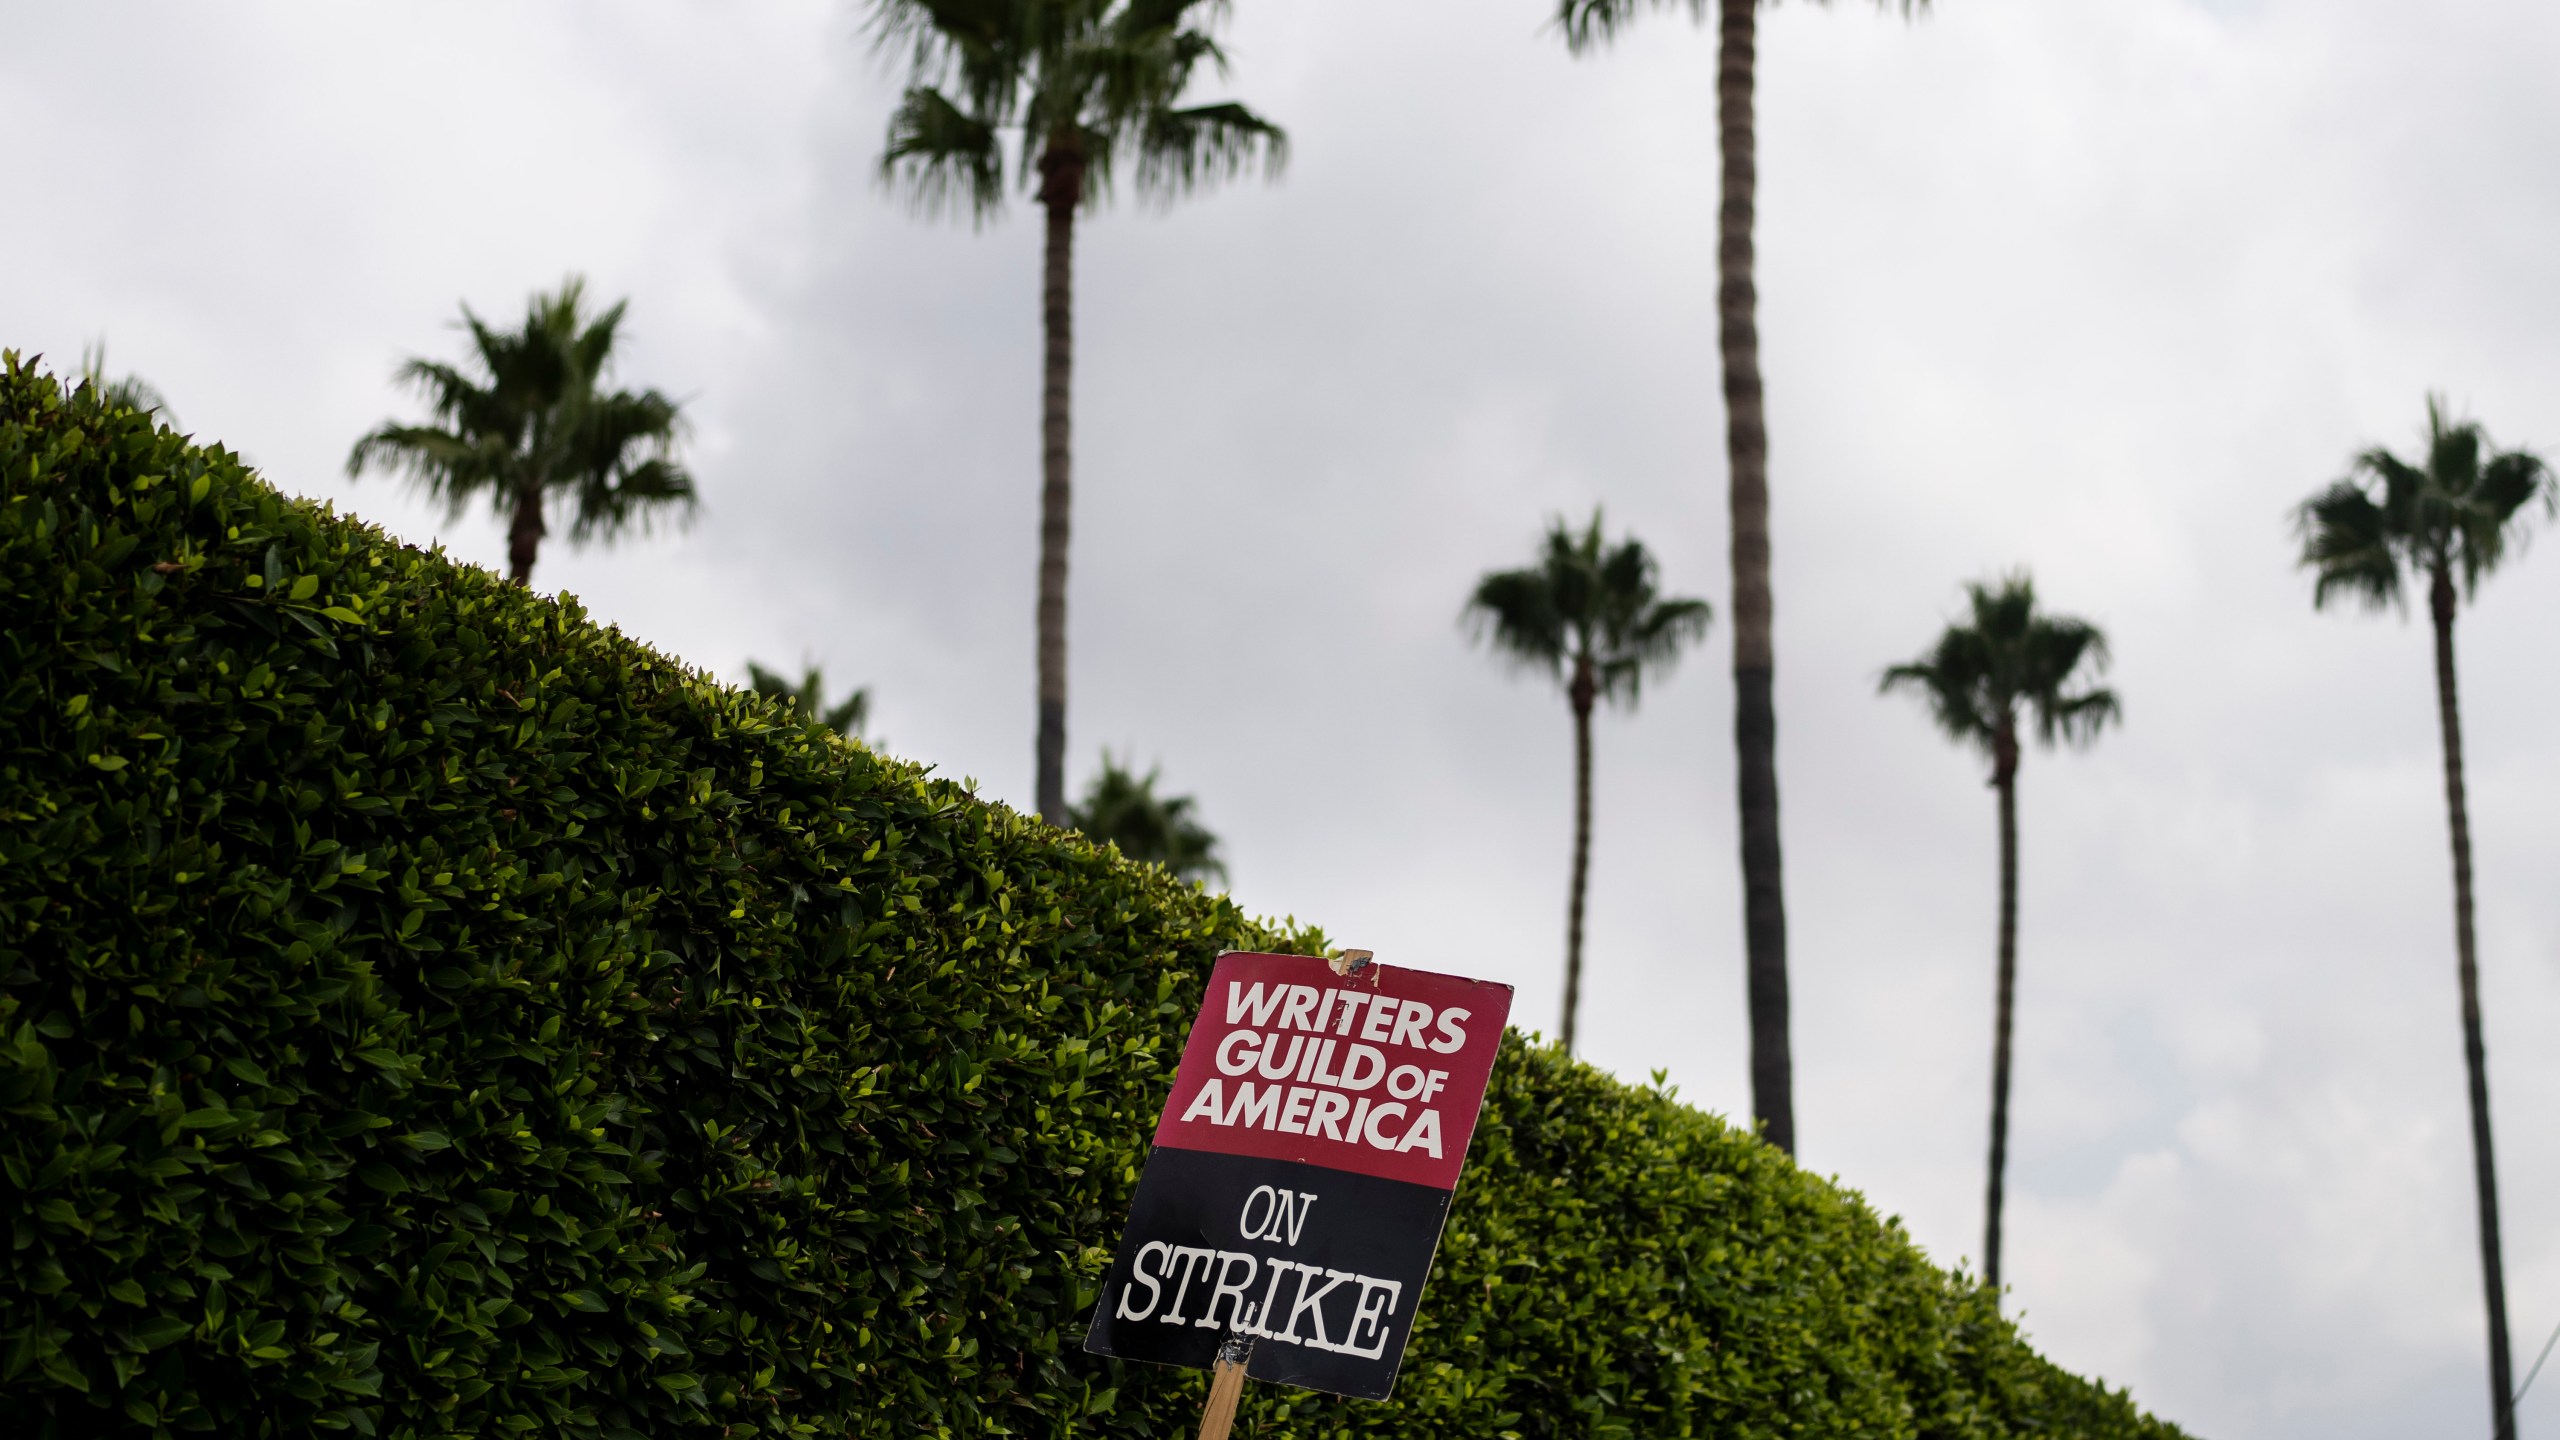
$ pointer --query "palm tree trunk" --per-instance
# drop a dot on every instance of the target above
(524, 536)
(1582, 698)
(1061, 187)
(2474, 1052)
(2004, 1010)
(1755, 723)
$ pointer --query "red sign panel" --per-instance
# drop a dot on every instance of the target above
(1380, 1072)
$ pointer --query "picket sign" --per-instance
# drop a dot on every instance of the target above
(1285, 1222)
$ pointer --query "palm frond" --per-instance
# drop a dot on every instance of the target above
(1951, 688)
(452, 467)
(1515, 612)
(127, 392)
(975, 46)
(1183, 150)
(2491, 515)
(590, 350)
(633, 497)
(1659, 634)
(1588, 24)
(942, 156)
(1123, 70)
(2078, 719)
(1143, 15)
(807, 698)
(2347, 542)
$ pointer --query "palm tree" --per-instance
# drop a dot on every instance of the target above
(1588, 616)
(2449, 517)
(1122, 808)
(1980, 680)
(807, 698)
(1084, 86)
(1590, 23)
(528, 419)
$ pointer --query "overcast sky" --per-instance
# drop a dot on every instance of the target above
(2100, 288)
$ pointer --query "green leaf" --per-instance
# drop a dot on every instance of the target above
(383, 1178)
(160, 1330)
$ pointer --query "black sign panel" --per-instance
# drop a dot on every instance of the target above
(1322, 1268)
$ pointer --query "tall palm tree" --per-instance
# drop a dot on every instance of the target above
(1587, 615)
(525, 418)
(1083, 87)
(1587, 24)
(1122, 808)
(2447, 520)
(807, 698)
(1980, 680)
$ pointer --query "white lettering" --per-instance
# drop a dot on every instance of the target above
(1284, 1214)
(1382, 1014)
(1405, 1082)
(1331, 1106)
(1293, 1118)
(1434, 1083)
(1378, 1117)
(1352, 1079)
(1239, 1313)
(1189, 1258)
(1270, 1296)
(1352, 1000)
(1261, 1112)
(1242, 1002)
(1298, 1216)
(1206, 1105)
(1246, 1225)
(1425, 1135)
(1452, 1039)
(1318, 1052)
(1312, 1304)
(1300, 1012)
(1288, 1063)
(1228, 1061)
(1371, 1315)
(1138, 1274)
(1409, 1021)
(1228, 1276)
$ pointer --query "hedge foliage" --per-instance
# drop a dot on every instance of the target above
(424, 1012)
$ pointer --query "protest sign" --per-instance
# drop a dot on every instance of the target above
(1302, 1171)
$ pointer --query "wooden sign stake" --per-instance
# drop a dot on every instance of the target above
(1226, 1387)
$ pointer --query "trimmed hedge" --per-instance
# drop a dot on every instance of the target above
(426, 1013)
